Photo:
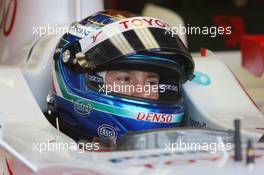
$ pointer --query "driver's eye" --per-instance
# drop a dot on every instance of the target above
(124, 79)
(152, 82)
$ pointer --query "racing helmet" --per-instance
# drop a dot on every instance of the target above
(112, 41)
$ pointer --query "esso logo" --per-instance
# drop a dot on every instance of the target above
(8, 9)
(107, 131)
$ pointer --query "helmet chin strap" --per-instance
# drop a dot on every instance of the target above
(102, 74)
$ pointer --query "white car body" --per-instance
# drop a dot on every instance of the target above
(213, 100)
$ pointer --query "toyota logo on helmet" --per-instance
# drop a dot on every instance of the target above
(89, 58)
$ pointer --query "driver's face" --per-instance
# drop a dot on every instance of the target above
(136, 78)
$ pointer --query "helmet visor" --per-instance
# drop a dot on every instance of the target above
(136, 83)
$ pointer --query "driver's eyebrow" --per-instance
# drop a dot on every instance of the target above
(152, 75)
(122, 72)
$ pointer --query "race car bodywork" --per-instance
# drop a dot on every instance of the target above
(29, 144)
